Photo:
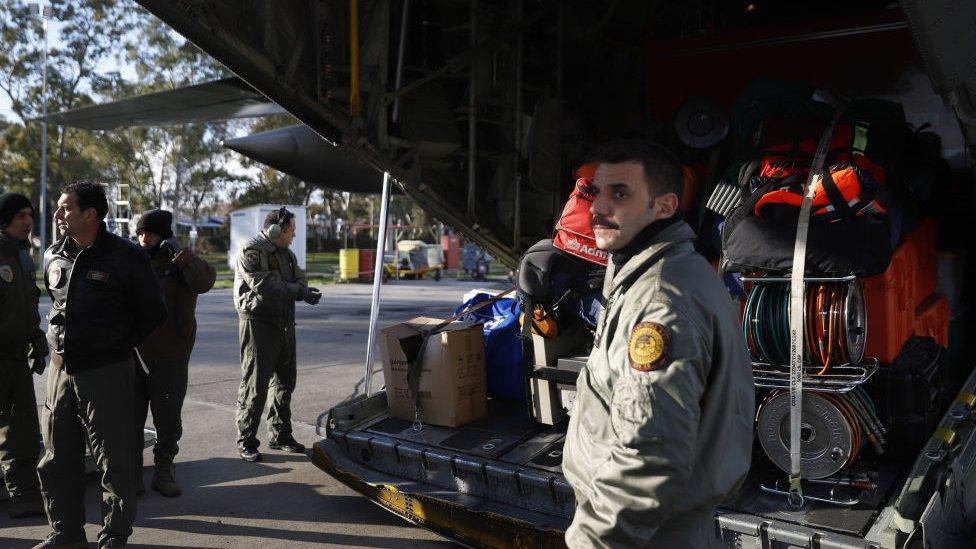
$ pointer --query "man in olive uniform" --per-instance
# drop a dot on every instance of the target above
(22, 350)
(661, 431)
(106, 300)
(164, 358)
(267, 283)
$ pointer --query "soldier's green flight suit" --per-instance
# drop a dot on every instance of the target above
(20, 337)
(662, 427)
(267, 283)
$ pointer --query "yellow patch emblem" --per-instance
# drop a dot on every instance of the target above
(648, 346)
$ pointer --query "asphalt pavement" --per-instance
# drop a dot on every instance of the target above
(284, 501)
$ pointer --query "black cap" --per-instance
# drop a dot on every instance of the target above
(159, 222)
(10, 204)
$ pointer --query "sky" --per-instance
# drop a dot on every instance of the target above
(54, 28)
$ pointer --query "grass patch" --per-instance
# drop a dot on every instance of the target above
(228, 283)
(316, 262)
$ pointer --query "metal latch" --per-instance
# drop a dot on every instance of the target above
(945, 438)
(966, 401)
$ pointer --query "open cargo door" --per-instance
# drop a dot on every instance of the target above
(464, 103)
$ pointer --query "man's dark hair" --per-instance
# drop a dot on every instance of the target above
(89, 194)
(662, 169)
(278, 217)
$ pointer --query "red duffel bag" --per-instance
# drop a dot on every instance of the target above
(573, 233)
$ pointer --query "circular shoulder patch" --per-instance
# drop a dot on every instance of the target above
(252, 259)
(6, 273)
(648, 346)
(54, 276)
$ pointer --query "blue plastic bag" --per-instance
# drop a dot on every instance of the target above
(503, 349)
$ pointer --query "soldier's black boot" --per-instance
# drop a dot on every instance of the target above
(164, 480)
(287, 443)
(26, 505)
(249, 453)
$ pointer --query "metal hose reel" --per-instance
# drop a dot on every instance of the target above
(836, 322)
(828, 439)
(835, 427)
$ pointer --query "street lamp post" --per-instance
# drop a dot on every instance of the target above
(45, 13)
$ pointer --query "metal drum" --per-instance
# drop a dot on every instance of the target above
(855, 320)
(827, 437)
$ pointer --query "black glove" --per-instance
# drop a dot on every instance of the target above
(171, 245)
(37, 354)
(311, 295)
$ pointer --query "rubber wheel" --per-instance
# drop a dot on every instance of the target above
(437, 275)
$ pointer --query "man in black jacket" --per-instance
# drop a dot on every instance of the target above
(106, 301)
(22, 350)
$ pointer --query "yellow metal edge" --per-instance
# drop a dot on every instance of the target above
(945, 435)
(472, 528)
(968, 399)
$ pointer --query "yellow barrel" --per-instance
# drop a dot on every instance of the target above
(348, 264)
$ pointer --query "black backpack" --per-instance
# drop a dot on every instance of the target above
(912, 394)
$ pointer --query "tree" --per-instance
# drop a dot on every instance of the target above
(91, 33)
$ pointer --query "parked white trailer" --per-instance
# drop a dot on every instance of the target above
(247, 222)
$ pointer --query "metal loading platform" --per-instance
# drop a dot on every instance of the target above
(485, 484)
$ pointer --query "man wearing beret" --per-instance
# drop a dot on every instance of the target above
(164, 358)
(23, 350)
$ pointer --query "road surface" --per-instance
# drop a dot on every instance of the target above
(284, 501)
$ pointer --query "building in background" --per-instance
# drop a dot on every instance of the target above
(247, 222)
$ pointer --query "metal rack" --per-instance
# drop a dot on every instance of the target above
(842, 490)
(842, 379)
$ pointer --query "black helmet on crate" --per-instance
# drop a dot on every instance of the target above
(555, 281)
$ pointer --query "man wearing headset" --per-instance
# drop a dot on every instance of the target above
(267, 284)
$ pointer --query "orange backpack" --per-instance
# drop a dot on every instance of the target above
(843, 191)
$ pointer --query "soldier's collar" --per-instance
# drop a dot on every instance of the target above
(673, 234)
(642, 240)
(101, 236)
(264, 242)
(8, 241)
(66, 246)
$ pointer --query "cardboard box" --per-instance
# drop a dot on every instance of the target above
(453, 383)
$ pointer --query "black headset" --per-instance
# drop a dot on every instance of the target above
(274, 230)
